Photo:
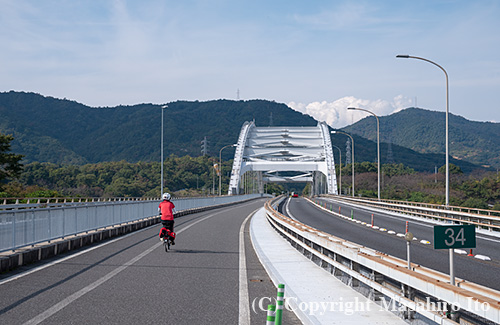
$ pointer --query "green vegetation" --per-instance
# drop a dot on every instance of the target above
(398, 182)
(65, 132)
(10, 166)
(424, 131)
(187, 176)
(118, 179)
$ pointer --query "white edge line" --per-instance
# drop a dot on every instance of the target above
(244, 298)
(288, 210)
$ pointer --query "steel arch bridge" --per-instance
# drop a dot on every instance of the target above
(284, 154)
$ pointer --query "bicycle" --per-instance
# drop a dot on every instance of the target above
(167, 239)
(166, 243)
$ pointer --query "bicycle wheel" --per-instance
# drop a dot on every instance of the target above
(166, 244)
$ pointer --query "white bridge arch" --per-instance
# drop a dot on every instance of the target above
(271, 150)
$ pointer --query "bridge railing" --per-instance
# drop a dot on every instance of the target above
(387, 280)
(485, 219)
(20, 227)
(48, 202)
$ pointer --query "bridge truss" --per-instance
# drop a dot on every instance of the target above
(284, 154)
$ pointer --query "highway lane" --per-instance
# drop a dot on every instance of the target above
(481, 272)
(485, 245)
(132, 280)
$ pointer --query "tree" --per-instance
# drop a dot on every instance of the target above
(454, 169)
(10, 166)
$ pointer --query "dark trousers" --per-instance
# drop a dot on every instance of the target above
(169, 224)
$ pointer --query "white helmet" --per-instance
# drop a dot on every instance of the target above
(166, 196)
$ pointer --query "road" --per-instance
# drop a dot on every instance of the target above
(469, 268)
(132, 280)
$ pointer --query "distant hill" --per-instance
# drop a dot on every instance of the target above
(424, 131)
(62, 131)
(54, 130)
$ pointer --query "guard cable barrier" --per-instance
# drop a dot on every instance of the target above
(418, 294)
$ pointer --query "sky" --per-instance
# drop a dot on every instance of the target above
(318, 57)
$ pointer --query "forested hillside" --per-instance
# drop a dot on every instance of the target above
(65, 132)
(424, 131)
(47, 129)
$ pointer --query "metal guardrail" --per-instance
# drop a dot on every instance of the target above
(29, 226)
(387, 280)
(489, 221)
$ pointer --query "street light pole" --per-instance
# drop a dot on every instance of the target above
(340, 169)
(447, 184)
(352, 156)
(378, 144)
(220, 165)
(447, 194)
(161, 177)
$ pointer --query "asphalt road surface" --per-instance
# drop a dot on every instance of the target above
(132, 280)
(468, 268)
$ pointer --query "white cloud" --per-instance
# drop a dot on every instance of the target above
(336, 114)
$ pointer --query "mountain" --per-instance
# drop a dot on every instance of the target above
(54, 130)
(62, 131)
(424, 131)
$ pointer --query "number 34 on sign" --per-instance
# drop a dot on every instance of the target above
(460, 236)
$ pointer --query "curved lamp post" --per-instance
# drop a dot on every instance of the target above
(378, 144)
(352, 154)
(447, 201)
(161, 177)
(220, 165)
(447, 190)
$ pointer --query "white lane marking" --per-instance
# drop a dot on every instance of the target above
(15, 277)
(63, 303)
(483, 257)
(288, 210)
(244, 298)
(425, 242)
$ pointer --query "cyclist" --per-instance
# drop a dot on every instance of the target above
(166, 211)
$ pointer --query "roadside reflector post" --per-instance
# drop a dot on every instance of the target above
(279, 304)
(409, 238)
(271, 314)
(352, 215)
(406, 227)
(372, 220)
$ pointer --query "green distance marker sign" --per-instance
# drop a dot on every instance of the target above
(459, 236)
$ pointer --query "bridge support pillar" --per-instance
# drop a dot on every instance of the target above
(353, 281)
(374, 294)
(410, 294)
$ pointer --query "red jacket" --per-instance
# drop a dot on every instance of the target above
(166, 210)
